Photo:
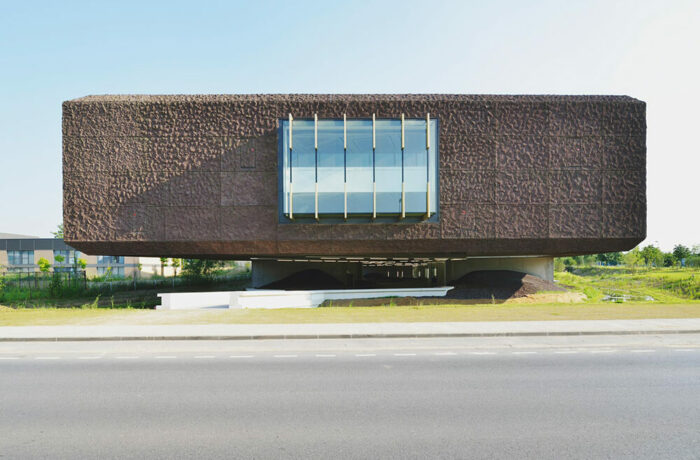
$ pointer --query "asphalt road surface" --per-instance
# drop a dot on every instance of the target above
(381, 399)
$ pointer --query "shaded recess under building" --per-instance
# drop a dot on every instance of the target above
(383, 189)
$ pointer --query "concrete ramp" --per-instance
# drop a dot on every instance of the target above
(259, 298)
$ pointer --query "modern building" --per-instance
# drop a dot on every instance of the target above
(21, 253)
(424, 187)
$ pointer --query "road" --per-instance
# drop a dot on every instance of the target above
(430, 398)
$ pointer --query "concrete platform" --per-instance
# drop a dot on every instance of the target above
(255, 298)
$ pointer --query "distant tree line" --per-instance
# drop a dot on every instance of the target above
(648, 256)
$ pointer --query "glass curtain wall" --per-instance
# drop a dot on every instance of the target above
(334, 167)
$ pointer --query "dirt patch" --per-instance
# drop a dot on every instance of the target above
(306, 280)
(499, 284)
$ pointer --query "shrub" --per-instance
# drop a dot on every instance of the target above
(43, 264)
(56, 286)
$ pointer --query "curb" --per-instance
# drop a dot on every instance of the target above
(343, 336)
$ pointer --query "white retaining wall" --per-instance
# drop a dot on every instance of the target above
(283, 299)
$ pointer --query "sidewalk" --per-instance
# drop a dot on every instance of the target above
(350, 330)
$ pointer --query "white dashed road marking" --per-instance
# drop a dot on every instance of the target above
(642, 351)
(48, 357)
(165, 357)
(363, 355)
(325, 356)
(684, 350)
(205, 357)
(126, 357)
(240, 356)
(482, 353)
(89, 357)
(525, 352)
(603, 351)
(404, 354)
(566, 352)
(285, 356)
(445, 353)
(9, 357)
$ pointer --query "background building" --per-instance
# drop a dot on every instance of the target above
(21, 253)
(417, 186)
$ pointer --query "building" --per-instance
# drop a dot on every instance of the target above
(412, 186)
(21, 253)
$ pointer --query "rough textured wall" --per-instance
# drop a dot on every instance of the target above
(197, 176)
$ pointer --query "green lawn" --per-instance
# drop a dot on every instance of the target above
(483, 312)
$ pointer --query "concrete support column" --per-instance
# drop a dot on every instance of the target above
(542, 267)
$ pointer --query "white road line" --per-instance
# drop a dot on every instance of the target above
(642, 351)
(205, 357)
(684, 350)
(126, 357)
(89, 357)
(325, 356)
(445, 353)
(482, 353)
(285, 356)
(363, 355)
(566, 352)
(47, 357)
(525, 352)
(9, 357)
(404, 354)
(241, 356)
(165, 357)
(603, 351)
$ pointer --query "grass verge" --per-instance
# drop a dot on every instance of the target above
(440, 313)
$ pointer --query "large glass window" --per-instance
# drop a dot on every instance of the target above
(359, 168)
(20, 257)
(69, 257)
(104, 260)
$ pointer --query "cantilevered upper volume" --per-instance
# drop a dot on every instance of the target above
(354, 175)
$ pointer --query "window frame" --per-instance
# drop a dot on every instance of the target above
(353, 218)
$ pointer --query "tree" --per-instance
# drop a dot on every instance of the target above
(82, 263)
(163, 263)
(588, 260)
(43, 264)
(59, 259)
(680, 253)
(632, 258)
(610, 258)
(669, 260)
(200, 268)
(559, 264)
(59, 231)
(176, 263)
(652, 255)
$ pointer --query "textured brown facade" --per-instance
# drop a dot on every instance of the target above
(198, 176)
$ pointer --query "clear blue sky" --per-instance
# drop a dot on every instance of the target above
(53, 51)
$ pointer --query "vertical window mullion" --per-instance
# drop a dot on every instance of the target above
(345, 166)
(291, 178)
(374, 168)
(427, 165)
(403, 185)
(316, 165)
